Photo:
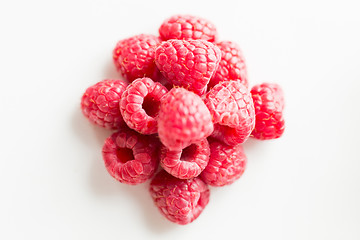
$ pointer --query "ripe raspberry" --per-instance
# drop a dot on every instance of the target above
(232, 110)
(189, 64)
(130, 157)
(187, 27)
(180, 201)
(100, 103)
(183, 119)
(139, 105)
(226, 164)
(187, 163)
(269, 104)
(232, 65)
(134, 57)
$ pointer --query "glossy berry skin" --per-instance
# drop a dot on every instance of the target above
(183, 119)
(140, 104)
(232, 65)
(129, 157)
(134, 57)
(180, 201)
(100, 103)
(269, 105)
(232, 110)
(188, 63)
(187, 163)
(226, 164)
(187, 27)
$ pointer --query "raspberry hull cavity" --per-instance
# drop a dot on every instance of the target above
(140, 104)
(187, 163)
(130, 157)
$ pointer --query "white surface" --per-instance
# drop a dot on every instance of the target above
(302, 186)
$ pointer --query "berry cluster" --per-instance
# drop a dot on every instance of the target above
(181, 114)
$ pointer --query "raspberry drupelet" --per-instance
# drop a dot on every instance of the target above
(188, 63)
(269, 105)
(232, 111)
(187, 27)
(226, 164)
(180, 201)
(183, 119)
(187, 163)
(100, 103)
(140, 104)
(134, 57)
(232, 65)
(130, 157)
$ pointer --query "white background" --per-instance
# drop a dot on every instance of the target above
(53, 184)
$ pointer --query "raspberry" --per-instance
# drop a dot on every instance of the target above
(269, 104)
(180, 201)
(232, 65)
(226, 164)
(188, 63)
(232, 110)
(100, 103)
(187, 163)
(183, 119)
(139, 105)
(134, 57)
(187, 27)
(130, 157)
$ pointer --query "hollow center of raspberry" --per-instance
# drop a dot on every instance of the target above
(151, 106)
(124, 155)
(188, 153)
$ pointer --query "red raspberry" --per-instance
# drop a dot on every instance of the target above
(130, 157)
(232, 110)
(226, 164)
(139, 105)
(232, 65)
(187, 163)
(100, 103)
(180, 201)
(134, 57)
(187, 27)
(269, 104)
(183, 119)
(189, 64)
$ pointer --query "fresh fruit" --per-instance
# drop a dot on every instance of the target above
(130, 157)
(140, 104)
(183, 119)
(269, 105)
(226, 164)
(232, 65)
(232, 111)
(185, 113)
(187, 27)
(188, 63)
(180, 201)
(134, 57)
(187, 163)
(100, 103)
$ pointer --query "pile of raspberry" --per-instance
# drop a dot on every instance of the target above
(180, 114)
